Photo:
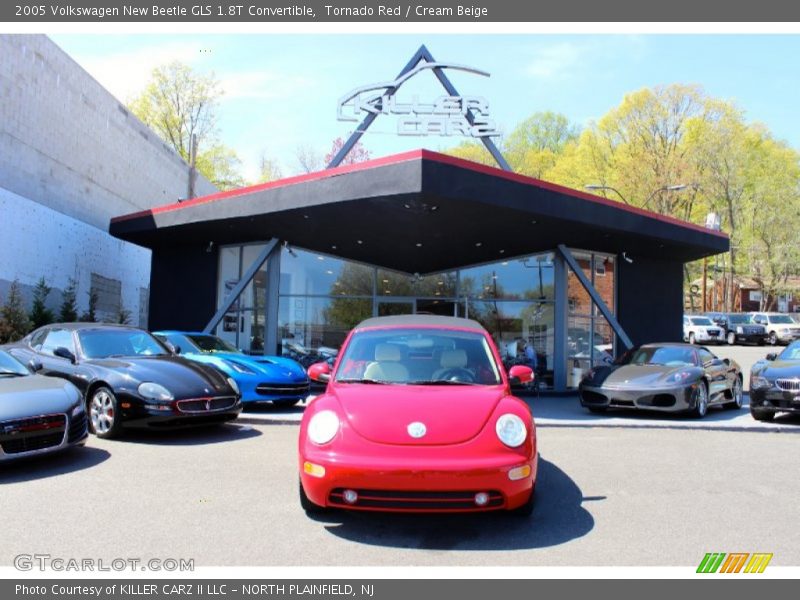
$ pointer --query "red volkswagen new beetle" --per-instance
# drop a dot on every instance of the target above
(418, 416)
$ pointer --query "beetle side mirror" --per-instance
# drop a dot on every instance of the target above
(35, 365)
(520, 374)
(320, 372)
(772, 356)
(62, 352)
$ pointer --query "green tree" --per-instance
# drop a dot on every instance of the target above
(268, 169)
(14, 321)
(68, 312)
(472, 151)
(178, 103)
(90, 316)
(41, 315)
(535, 145)
(123, 316)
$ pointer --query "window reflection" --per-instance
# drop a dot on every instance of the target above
(529, 278)
(309, 273)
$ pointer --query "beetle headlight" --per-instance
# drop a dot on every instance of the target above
(234, 385)
(323, 426)
(511, 430)
(155, 391)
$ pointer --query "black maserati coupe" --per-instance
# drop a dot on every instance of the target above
(775, 384)
(127, 377)
(666, 378)
(37, 414)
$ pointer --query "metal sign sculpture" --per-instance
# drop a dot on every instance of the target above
(452, 114)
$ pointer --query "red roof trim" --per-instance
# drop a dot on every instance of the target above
(413, 155)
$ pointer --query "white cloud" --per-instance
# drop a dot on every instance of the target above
(125, 74)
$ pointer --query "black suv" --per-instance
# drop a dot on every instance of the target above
(740, 328)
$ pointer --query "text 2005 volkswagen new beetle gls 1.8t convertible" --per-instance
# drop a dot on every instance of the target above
(418, 416)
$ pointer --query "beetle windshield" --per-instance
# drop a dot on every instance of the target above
(671, 356)
(418, 357)
(10, 366)
(108, 343)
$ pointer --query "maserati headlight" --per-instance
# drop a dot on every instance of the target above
(759, 383)
(234, 385)
(238, 367)
(323, 426)
(155, 391)
(511, 430)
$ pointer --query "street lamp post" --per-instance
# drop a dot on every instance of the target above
(597, 186)
(667, 188)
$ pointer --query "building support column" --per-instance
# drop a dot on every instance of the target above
(560, 324)
(271, 334)
(247, 277)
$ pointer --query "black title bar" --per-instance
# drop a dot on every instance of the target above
(435, 11)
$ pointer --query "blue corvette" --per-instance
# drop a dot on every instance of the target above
(274, 379)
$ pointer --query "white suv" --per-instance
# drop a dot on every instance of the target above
(780, 327)
(702, 330)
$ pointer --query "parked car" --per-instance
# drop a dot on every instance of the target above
(38, 414)
(739, 328)
(281, 381)
(780, 327)
(701, 329)
(418, 417)
(665, 378)
(775, 384)
(127, 377)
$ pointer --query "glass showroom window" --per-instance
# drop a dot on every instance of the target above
(321, 299)
(590, 339)
(514, 300)
(243, 324)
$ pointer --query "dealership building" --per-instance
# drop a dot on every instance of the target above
(300, 261)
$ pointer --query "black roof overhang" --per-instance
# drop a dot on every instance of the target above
(420, 212)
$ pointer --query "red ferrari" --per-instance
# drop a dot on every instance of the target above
(418, 416)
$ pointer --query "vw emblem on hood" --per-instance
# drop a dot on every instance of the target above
(417, 429)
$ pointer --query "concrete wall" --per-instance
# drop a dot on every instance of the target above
(72, 157)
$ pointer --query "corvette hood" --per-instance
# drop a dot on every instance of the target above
(638, 376)
(184, 378)
(275, 368)
(36, 395)
(451, 414)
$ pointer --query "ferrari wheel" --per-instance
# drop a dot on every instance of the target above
(700, 398)
(104, 419)
(763, 415)
(307, 505)
(738, 395)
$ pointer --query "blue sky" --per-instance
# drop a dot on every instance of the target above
(281, 91)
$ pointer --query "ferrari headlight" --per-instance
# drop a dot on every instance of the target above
(323, 426)
(234, 385)
(239, 367)
(155, 391)
(679, 377)
(511, 430)
(759, 383)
